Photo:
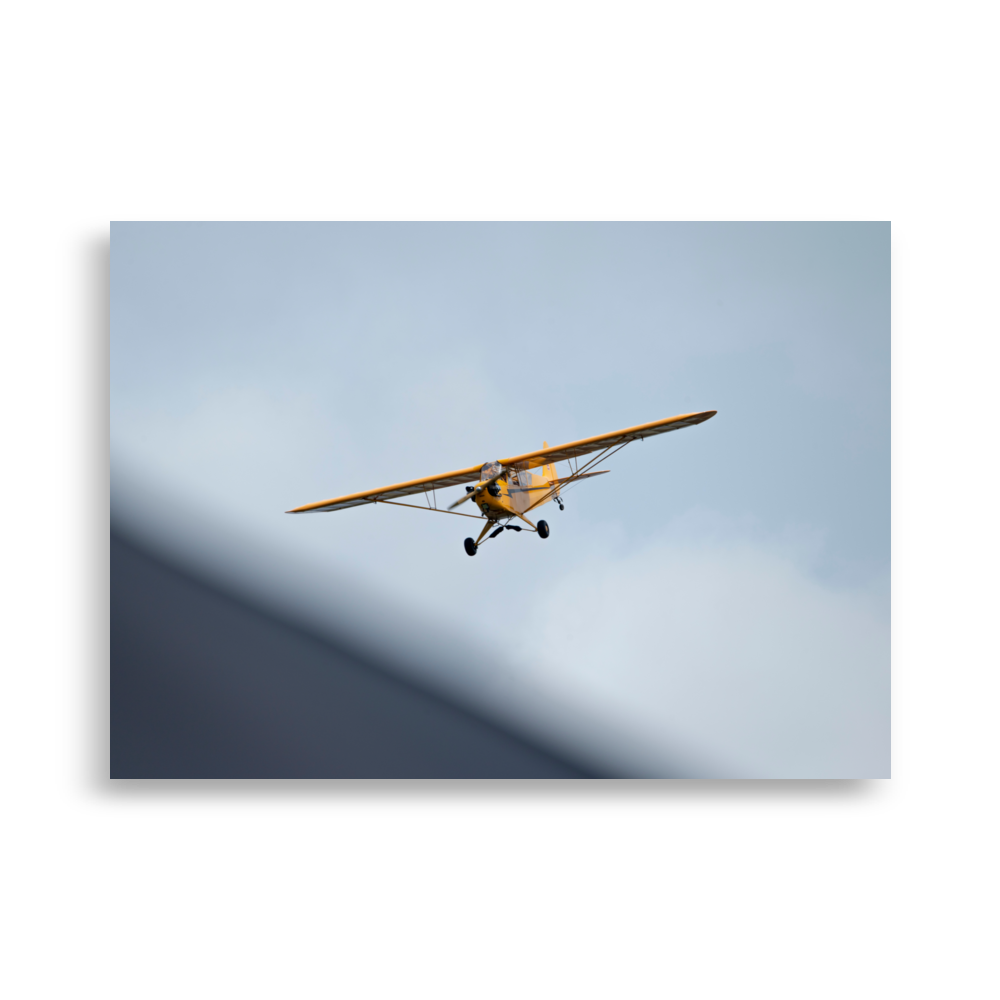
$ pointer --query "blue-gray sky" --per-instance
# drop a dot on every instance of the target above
(724, 587)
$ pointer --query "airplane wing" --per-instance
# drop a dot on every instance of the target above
(585, 446)
(470, 475)
(530, 460)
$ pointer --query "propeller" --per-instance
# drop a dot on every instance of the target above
(478, 491)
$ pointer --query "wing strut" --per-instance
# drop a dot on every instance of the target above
(579, 472)
(433, 510)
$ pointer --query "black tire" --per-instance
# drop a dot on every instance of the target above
(543, 529)
(470, 546)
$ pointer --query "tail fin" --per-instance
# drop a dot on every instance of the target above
(549, 471)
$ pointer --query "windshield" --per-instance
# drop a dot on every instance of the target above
(491, 469)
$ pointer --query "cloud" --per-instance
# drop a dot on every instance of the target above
(726, 643)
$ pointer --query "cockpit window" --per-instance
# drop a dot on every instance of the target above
(491, 469)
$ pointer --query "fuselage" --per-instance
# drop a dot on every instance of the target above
(514, 492)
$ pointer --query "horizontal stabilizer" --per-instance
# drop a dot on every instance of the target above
(574, 479)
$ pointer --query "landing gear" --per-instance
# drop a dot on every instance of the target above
(471, 546)
(543, 529)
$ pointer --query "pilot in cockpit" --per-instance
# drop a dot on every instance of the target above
(489, 471)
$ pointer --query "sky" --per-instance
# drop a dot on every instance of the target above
(721, 596)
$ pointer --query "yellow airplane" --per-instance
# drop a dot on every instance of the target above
(506, 489)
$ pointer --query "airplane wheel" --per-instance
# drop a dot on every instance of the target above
(470, 546)
(543, 529)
